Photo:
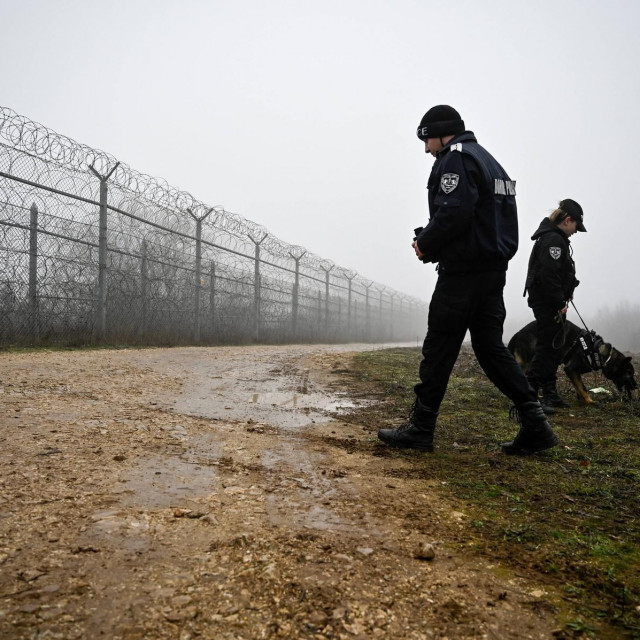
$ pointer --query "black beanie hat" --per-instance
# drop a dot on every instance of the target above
(574, 211)
(441, 120)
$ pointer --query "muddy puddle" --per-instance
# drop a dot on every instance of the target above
(274, 391)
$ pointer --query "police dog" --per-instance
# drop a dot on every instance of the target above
(582, 351)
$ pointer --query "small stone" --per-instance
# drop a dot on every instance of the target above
(343, 556)
(424, 551)
(365, 551)
(318, 619)
(339, 613)
(355, 629)
(209, 518)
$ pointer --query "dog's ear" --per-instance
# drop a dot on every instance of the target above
(627, 360)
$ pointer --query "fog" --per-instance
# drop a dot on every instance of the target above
(301, 116)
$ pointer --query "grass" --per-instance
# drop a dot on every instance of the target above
(570, 516)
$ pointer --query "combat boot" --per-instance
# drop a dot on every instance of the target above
(416, 433)
(535, 432)
(551, 397)
(547, 408)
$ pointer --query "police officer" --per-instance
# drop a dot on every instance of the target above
(551, 280)
(472, 234)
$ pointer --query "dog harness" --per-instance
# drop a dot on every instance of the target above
(590, 343)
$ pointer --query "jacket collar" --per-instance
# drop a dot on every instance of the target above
(465, 136)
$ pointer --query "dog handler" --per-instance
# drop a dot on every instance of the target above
(472, 234)
(551, 281)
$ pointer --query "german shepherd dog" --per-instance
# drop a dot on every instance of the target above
(582, 351)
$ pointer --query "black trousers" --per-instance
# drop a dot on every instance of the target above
(546, 359)
(470, 301)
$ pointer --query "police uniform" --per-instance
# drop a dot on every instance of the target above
(551, 281)
(472, 234)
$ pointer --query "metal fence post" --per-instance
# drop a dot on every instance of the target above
(256, 286)
(392, 295)
(367, 286)
(212, 297)
(101, 310)
(326, 297)
(34, 325)
(144, 280)
(381, 291)
(198, 283)
(349, 275)
(296, 289)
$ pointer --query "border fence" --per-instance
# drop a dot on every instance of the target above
(93, 252)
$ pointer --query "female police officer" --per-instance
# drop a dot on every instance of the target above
(551, 280)
(472, 234)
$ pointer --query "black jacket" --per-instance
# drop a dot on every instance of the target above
(473, 223)
(551, 276)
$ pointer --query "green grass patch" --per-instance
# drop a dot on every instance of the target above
(570, 515)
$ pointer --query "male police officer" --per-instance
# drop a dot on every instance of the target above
(472, 234)
(551, 280)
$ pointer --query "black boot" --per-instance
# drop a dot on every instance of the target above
(535, 432)
(417, 433)
(551, 398)
(547, 408)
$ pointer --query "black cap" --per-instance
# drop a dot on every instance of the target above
(574, 211)
(441, 120)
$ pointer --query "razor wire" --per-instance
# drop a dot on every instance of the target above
(92, 251)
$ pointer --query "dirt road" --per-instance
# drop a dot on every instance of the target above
(208, 493)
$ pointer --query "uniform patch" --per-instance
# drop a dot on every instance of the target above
(504, 187)
(555, 252)
(449, 182)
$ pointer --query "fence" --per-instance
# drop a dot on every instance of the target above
(92, 251)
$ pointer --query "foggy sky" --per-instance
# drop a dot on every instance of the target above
(301, 116)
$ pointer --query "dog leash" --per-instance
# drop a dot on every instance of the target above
(579, 316)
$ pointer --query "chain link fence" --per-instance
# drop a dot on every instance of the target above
(94, 252)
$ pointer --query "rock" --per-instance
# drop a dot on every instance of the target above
(343, 556)
(338, 613)
(424, 551)
(355, 629)
(209, 518)
(365, 551)
(318, 619)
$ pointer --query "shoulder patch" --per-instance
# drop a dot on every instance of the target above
(504, 187)
(449, 182)
(457, 147)
(555, 252)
